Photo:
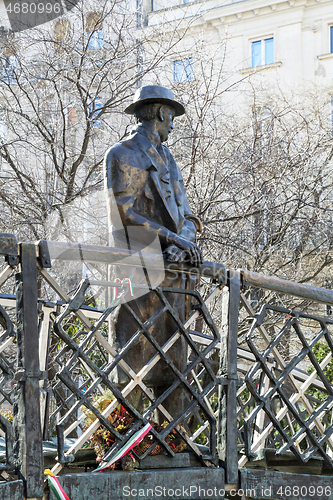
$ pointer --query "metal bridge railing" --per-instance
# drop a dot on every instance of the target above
(285, 401)
(256, 376)
(86, 360)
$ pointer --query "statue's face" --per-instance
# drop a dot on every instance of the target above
(165, 124)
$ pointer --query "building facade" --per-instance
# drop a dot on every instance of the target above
(294, 37)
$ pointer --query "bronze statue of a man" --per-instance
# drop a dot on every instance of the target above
(145, 188)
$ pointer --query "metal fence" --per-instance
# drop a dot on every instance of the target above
(86, 359)
(255, 378)
(285, 400)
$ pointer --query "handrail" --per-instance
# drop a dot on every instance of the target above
(288, 287)
(48, 250)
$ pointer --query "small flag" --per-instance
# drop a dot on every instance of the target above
(57, 489)
(55, 486)
(131, 443)
(122, 282)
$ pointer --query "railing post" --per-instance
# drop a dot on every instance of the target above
(227, 423)
(27, 423)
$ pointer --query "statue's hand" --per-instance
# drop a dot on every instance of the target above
(175, 254)
(193, 251)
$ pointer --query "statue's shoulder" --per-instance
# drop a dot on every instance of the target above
(120, 148)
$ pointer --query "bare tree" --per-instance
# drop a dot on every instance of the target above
(259, 174)
(260, 177)
(62, 88)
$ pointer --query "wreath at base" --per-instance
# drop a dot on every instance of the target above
(102, 439)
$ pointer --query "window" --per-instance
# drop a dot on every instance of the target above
(331, 115)
(96, 40)
(8, 69)
(183, 70)
(94, 31)
(94, 108)
(331, 39)
(62, 34)
(262, 52)
(263, 129)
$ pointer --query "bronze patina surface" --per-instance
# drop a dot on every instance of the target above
(145, 190)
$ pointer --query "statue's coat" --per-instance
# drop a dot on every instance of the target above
(145, 187)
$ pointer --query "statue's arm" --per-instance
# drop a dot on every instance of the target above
(120, 185)
(184, 241)
(130, 217)
(192, 223)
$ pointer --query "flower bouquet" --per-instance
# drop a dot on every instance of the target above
(102, 439)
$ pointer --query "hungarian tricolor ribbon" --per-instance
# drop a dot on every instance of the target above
(291, 315)
(122, 282)
(131, 443)
(56, 487)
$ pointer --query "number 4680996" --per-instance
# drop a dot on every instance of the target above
(33, 8)
(304, 491)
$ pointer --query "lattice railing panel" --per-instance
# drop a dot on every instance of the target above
(286, 400)
(86, 361)
(8, 365)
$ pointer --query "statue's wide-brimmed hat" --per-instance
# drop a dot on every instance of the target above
(154, 93)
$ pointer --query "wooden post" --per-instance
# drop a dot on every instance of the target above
(27, 423)
(227, 424)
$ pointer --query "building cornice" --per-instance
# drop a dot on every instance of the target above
(211, 14)
(233, 13)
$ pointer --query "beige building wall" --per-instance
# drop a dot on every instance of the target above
(300, 29)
